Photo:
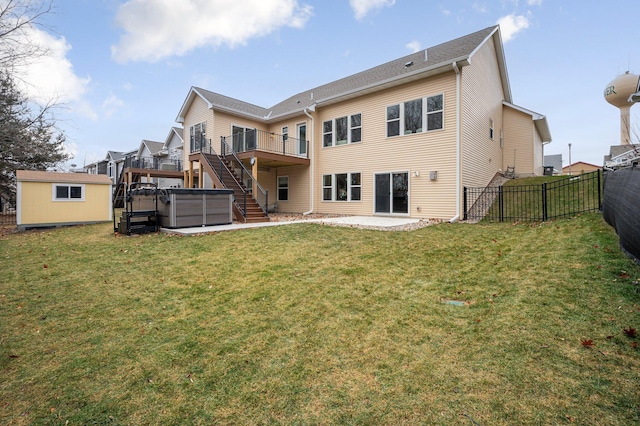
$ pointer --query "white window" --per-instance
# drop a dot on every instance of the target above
(342, 130)
(283, 188)
(342, 187)
(244, 138)
(285, 133)
(412, 117)
(62, 192)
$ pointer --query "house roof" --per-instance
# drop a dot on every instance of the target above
(431, 61)
(152, 146)
(539, 121)
(580, 163)
(39, 176)
(114, 155)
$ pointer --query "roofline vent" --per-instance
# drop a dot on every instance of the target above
(426, 55)
(408, 64)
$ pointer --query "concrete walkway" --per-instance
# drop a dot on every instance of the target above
(367, 221)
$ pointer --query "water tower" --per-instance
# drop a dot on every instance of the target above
(617, 93)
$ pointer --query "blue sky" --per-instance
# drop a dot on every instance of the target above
(122, 69)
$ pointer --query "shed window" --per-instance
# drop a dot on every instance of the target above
(68, 192)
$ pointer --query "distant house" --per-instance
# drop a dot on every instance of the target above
(403, 138)
(579, 168)
(46, 199)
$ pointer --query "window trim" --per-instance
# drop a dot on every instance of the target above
(425, 116)
(285, 187)
(334, 187)
(54, 192)
(349, 130)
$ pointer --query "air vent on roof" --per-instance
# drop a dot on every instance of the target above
(408, 64)
(426, 56)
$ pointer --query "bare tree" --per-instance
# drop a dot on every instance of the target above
(29, 138)
(17, 18)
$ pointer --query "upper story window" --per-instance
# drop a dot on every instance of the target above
(198, 136)
(285, 133)
(68, 192)
(342, 130)
(415, 116)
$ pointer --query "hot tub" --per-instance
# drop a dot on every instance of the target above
(186, 207)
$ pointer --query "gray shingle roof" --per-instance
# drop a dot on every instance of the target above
(415, 65)
(152, 146)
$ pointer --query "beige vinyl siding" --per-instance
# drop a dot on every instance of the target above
(518, 140)
(298, 189)
(37, 205)
(198, 112)
(538, 155)
(224, 123)
(421, 152)
(482, 95)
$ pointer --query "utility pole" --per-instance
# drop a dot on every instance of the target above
(570, 173)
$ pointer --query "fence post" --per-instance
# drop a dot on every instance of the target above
(501, 203)
(599, 196)
(464, 202)
(544, 202)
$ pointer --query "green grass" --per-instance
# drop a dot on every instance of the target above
(312, 324)
(565, 197)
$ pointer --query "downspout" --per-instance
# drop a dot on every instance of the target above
(458, 150)
(311, 158)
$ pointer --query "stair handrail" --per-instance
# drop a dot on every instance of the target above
(222, 164)
(226, 150)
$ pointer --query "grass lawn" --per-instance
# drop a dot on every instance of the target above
(312, 324)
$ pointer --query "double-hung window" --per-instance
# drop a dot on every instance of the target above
(342, 130)
(342, 187)
(283, 188)
(415, 116)
(68, 192)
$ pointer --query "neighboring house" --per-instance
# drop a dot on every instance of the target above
(97, 168)
(554, 161)
(46, 199)
(622, 156)
(114, 161)
(579, 168)
(403, 138)
(170, 157)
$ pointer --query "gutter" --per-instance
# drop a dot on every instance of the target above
(312, 108)
(458, 148)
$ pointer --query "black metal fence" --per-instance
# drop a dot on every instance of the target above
(153, 163)
(7, 211)
(562, 198)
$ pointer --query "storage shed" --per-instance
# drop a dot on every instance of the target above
(48, 199)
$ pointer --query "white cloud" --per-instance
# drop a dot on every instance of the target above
(414, 46)
(51, 77)
(362, 7)
(510, 25)
(445, 12)
(534, 2)
(157, 29)
(111, 105)
(480, 7)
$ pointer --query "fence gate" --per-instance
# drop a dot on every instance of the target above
(562, 198)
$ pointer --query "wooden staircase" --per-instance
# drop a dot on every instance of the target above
(226, 177)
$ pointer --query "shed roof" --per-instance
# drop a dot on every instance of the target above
(39, 176)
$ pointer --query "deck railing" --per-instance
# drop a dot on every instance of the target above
(259, 140)
(153, 163)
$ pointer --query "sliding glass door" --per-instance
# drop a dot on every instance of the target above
(392, 193)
